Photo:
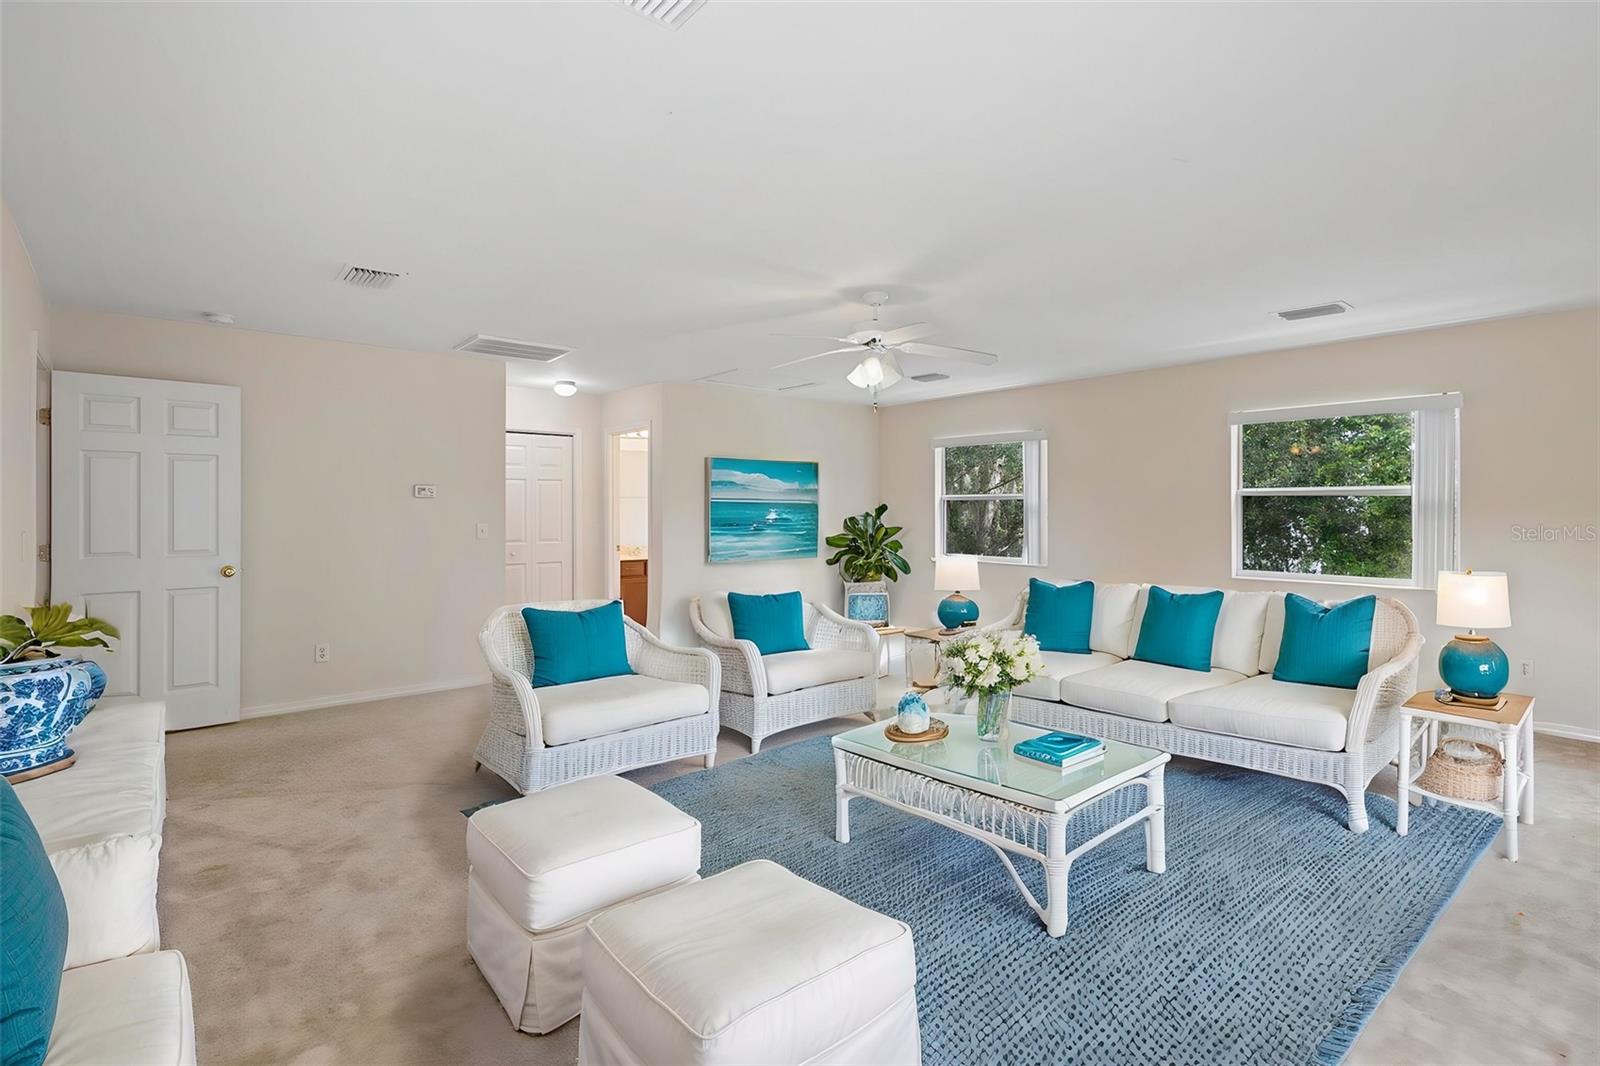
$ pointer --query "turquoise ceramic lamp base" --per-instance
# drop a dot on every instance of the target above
(955, 611)
(1475, 669)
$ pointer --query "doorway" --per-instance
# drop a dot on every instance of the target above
(629, 569)
(538, 517)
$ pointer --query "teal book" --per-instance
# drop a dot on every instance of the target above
(1061, 749)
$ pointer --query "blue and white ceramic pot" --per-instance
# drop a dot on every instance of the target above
(41, 702)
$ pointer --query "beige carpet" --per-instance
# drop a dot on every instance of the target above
(314, 868)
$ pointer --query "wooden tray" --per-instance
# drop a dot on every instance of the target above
(937, 730)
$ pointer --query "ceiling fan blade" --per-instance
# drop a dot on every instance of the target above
(915, 331)
(819, 355)
(947, 351)
(814, 337)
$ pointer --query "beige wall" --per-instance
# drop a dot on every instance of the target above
(530, 410)
(23, 317)
(336, 550)
(1139, 467)
(698, 421)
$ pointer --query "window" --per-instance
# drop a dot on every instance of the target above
(1359, 492)
(990, 497)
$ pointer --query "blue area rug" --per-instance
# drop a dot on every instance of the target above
(1271, 938)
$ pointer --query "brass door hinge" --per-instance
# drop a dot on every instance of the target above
(44, 416)
(44, 553)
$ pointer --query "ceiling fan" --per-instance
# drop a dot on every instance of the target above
(880, 365)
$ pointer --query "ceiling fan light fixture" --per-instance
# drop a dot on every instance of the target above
(875, 372)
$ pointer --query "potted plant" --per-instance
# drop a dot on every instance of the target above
(986, 667)
(43, 697)
(868, 557)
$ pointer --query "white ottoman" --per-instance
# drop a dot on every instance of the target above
(754, 965)
(543, 865)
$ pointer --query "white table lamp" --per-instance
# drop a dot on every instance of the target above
(953, 573)
(1472, 665)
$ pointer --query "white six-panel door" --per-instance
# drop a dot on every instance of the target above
(145, 498)
(538, 517)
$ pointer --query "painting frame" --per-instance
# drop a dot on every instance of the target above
(762, 510)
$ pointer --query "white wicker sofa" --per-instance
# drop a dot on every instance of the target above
(538, 738)
(766, 694)
(1235, 713)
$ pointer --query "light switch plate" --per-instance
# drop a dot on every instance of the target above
(424, 492)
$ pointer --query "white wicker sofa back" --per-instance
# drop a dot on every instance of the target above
(667, 709)
(762, 695)
(1236, 713)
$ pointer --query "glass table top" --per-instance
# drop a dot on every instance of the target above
(991, 767)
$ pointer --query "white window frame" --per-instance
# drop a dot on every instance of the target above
(1435, 488)
(1035, 506)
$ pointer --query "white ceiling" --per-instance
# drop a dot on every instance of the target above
(1080, 188)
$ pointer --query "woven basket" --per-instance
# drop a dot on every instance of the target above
(1464, 769)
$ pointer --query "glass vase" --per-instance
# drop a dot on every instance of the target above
(992, 708)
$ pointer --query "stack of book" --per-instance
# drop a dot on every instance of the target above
(1063, 750)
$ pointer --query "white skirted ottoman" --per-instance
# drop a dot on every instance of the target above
(543, 865)
(754, 965)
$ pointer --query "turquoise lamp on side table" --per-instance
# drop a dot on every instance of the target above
(952, 573)
(1473, 665)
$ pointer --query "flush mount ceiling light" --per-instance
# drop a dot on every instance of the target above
(566, 388)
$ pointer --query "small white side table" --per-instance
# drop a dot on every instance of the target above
(1420, 719)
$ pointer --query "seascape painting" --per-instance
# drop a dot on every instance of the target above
(760, 509)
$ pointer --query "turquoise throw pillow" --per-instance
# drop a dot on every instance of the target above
(33, 937)
(1325, 645)
(775, 623)
(1178, 628)
(1059, 615)
(573, 646)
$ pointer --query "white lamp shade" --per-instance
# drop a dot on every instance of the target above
(1474, 600)
(955, 573)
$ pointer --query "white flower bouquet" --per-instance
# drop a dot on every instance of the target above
(987, 666)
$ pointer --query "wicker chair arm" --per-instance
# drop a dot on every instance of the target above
(1381, 691)
(519, 685)
(695, 666)
(833, 630)
(740, 659)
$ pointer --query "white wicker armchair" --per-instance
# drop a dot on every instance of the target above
(514, 742)
(749, 703)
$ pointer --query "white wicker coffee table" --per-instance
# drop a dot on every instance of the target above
(1010, 803)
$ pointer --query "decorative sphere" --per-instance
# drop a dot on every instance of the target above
(913, 713)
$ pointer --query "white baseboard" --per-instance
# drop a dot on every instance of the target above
(1572, 732)
(265, 710)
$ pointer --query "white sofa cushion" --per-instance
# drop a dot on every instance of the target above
(109, 887)
(136, 1011)
(1111, 623)
(1136, 689)
(789, 671)
(1236, 640)
(1278, 712)
(551, 856)
(715, 614)
(1060, 664)
(586, 709)
(754, 965)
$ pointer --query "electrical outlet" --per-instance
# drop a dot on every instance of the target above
(425, 492)
(1527, 669)
(483, 531)
(321, 653)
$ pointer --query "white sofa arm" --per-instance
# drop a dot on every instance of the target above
(742, 670)
(832, 630)
(1010, 621)
(1381, 692)
(653, 657)
(511, 692)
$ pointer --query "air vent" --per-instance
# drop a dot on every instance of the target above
(506, 348)
(930, 376)
(1338, 307)
(368, 277)
(670, 13)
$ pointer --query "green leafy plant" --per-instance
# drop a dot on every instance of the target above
(868, 549)
(51, 626)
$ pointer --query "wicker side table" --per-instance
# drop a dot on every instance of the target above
(1512, 726)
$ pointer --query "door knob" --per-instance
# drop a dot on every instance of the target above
(229, 571)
